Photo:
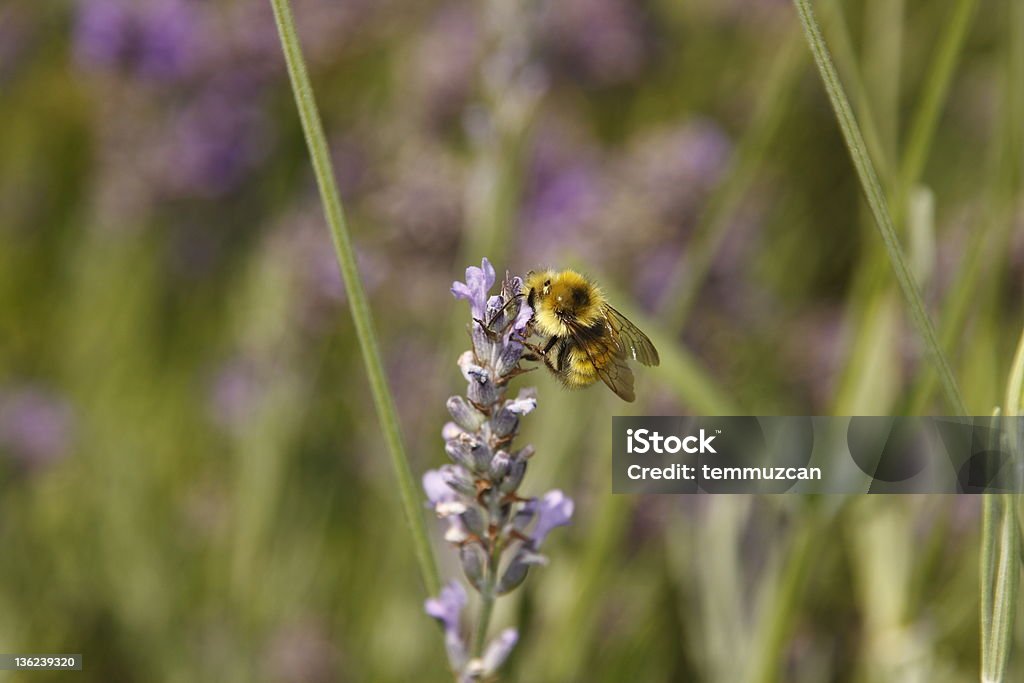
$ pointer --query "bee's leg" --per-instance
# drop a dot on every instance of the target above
(536, 352)
(490, 334)
(562, 357)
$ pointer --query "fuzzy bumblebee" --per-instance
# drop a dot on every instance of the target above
(586, 339)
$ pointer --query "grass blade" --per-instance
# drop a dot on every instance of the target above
(876, 200)
(926, 116)
(382, 399)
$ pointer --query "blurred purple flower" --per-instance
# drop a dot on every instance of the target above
(235, 394)
(446, 61)
(598, 42)
(153, 38)
(564, 197)
(421, 199)
(566, 193)
(447, 609)
(35, 426)
(553, 510)
(676, 168)
(216, 139)
(499, 649)
(302, 652)
(478, 282)
(17, 29)
(655, 274)
(436, 488)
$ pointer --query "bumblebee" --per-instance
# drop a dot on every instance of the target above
(587, 339)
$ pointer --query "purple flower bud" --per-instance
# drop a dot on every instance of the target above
(445, 501)
(553, 510)
(460, 450)
(513, 576)
(473, 520)
(526, 452)
(471, 370)
(483, 344)
(482, 389)
(508, 418)
(436, 488)
(467, 417)
(451, 431)
(518, 569)
(478, 283)
(504, 423)
(524, 515)
(514, 476)
(459, 479)
(482, 456)
(509, 358)
(448, 606)
(497, 313)
(483, 392)
(498, 650)
(447, 609)
(471, 555)
(523, 317)
(524, 403)
(500, 465)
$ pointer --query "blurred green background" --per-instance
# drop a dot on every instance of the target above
(193, 485)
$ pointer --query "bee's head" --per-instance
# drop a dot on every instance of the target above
(537, 285)
(563, 293)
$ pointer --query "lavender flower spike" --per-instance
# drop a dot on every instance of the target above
(478, 494)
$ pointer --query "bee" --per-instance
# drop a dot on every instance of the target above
(587, 339)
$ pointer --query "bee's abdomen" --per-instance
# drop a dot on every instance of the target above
(581, 366)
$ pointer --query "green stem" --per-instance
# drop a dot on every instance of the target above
(383, 402)
(488, 599)
(848, 64)
(926, 116)
(487, 608)
(876, 200)
(990, 509)
(1015, 385)
(1000, 567)
(1000, 561)
(777, 620)
(485, 621)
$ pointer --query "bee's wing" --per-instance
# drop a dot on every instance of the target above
(619, 378)
(634, 343)
(607, 356)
